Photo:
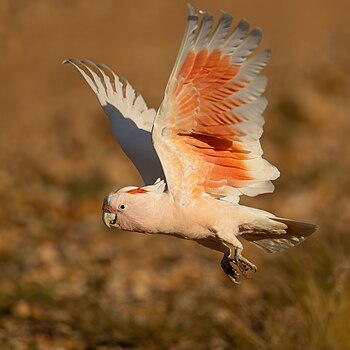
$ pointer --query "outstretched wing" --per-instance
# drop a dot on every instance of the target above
(130, 118)
(207, 129)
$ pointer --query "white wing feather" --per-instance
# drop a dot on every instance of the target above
(130, 118)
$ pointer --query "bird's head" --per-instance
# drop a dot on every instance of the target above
(130, 208)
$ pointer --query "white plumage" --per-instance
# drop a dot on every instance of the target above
(204, 140)
(130, 119)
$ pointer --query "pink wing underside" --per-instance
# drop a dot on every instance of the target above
(208, 127)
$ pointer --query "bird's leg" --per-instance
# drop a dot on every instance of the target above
(243, 264)
(220, 246)
(235, 257)
(231, 273)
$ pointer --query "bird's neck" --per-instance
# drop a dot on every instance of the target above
(155, 214)
(163, 213)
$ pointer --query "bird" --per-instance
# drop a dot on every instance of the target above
(200, 151)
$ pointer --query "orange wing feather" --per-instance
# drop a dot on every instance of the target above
(203, 132)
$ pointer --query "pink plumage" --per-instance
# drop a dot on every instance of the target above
(203, 141)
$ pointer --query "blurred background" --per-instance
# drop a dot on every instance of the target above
(67, 282)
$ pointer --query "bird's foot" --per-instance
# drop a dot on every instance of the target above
(243, 264)
(231, 273)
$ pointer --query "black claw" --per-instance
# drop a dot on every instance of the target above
(231, 273)
(243, 266)
(234, 280)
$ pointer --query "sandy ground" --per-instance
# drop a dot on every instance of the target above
(67, 282)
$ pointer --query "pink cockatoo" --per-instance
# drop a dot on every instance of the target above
(204, 140)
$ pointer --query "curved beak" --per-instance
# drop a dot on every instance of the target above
(109, 219)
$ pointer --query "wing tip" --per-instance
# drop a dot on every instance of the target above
(296, 227)
(268, 53)
(258, 29)
(243, 24)
(225, 15)
(72, 61)
(192, 12)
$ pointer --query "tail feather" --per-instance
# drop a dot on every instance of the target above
(276, 240)
(298, 227)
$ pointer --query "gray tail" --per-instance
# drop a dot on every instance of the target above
(282, 237)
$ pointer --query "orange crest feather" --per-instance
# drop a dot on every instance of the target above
(137, 191)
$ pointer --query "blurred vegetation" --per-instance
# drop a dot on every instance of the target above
(66, 282)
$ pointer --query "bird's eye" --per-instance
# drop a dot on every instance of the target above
(122, 206)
